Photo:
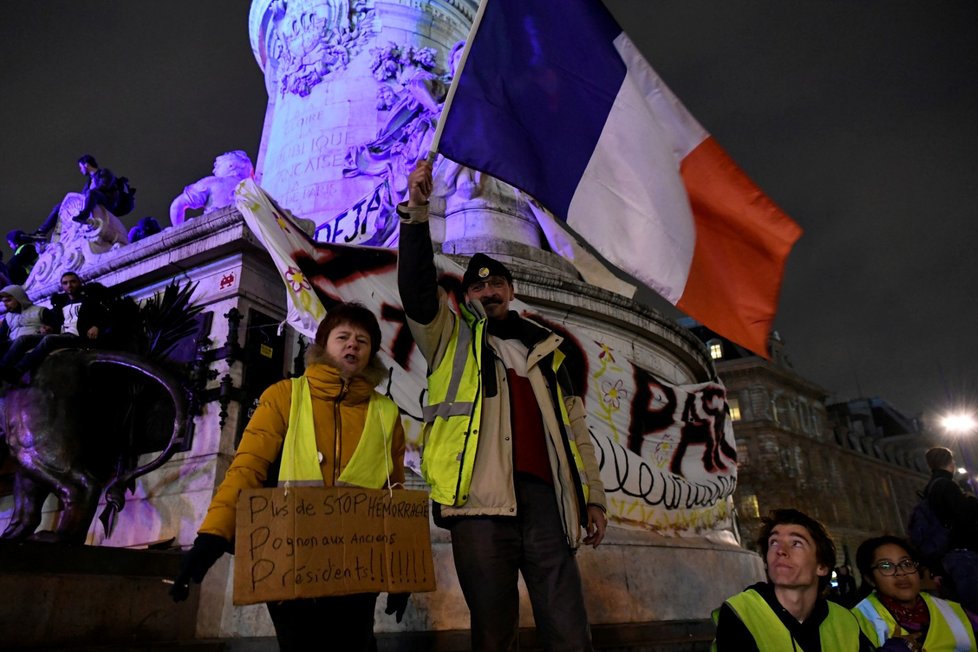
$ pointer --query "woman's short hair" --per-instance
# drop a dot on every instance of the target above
(353, 314)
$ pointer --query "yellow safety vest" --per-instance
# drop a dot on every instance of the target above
(453, 415)
(839, 632)
(949, 627)
(370, 465)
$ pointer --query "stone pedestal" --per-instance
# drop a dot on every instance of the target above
(56, 597)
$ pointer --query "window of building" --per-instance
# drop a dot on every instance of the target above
(716, 349)
(734, 405)
(743, 453)
(748, 507)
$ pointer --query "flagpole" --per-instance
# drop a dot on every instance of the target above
(450, 97)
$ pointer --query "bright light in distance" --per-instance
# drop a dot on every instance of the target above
(959, 423)
(962, 470)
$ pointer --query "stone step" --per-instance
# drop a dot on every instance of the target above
(97, 599)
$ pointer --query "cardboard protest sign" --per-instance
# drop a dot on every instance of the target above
(308, 542)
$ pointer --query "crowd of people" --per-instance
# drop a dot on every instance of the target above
(115, 194)
(906, 602)
(512, 470)
(524, 494)
(78, 317)
(792, 610)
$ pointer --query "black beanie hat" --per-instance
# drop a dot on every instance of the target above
(482, 267)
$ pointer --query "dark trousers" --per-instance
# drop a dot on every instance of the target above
(341, 623)
(95, 198)
(33, 358)
(962, 567)
(491, 552)
(14, 351)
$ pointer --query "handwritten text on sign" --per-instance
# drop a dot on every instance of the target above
(315, 541)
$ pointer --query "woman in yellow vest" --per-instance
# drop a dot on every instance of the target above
(895, 615)
(327, 427)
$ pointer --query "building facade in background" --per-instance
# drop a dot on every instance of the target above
(856, 466)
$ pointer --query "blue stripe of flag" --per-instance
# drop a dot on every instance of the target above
(534, 95)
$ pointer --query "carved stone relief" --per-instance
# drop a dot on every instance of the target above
(308, 44)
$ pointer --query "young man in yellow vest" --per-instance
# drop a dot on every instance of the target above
(790, 611)
(507, 451)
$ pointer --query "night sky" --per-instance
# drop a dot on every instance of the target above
(859, 118)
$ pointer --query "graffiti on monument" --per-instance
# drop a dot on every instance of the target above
(667, 452)
(371, 221)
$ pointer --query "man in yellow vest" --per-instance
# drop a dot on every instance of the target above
(790, 611)
(507, 451)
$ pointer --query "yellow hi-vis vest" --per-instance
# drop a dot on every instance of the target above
(839, 632)
(454, 411)
(949, 627)
(370, 465)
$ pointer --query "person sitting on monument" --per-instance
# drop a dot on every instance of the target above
(789, 612)
(79, 318)
(335, 398)
(144, 228)
(101, 188)
(215, 191)
(4, 272)
(23, 326)
(25, 255)
(895, 616)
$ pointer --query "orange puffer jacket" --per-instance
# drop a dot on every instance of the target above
(338, 407)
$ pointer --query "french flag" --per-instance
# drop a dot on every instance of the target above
(553, 98)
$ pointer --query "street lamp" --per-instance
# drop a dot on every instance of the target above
(961, 424)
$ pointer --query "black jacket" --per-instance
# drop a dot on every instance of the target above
(92, 312)
(956, 509)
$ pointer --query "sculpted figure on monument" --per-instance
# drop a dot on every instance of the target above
(308, 46)
(215, 191)
(412, 93)
(87, 416)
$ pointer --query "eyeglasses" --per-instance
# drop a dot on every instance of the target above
(495, 282)
(906, 567)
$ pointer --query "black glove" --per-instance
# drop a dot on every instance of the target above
(206, 550)
(397, 605)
